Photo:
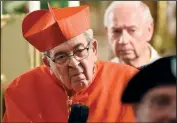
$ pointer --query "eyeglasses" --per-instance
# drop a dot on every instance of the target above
(78, 54)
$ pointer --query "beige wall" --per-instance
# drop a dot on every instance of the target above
(14, 50)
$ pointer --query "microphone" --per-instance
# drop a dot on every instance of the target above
(79, 114)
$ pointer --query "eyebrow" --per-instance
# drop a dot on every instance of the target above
(115, 28)
(75, 47)
(78, 45)
(160, 96)
(133, 26)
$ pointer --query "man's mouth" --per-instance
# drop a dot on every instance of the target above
(124, 52)
(77, 77)
(76, 74)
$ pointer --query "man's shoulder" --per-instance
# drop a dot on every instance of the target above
(116, 67)
(29, 76)
(110, 63)
(37, 71)
(115, 74)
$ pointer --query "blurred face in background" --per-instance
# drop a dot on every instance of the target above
(128, 31)
(158, 105)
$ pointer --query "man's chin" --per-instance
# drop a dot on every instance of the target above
(79, 85)
(127, 57)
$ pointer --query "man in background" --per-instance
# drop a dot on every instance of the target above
(129, 28)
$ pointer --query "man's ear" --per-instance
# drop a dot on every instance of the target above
(106, 31)
(45, 61)
(150, 31)
(95, 46)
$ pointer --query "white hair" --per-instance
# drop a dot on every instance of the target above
(88, 34)
(115, 4)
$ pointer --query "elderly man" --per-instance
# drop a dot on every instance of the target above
(71, 74)
(129, 28)
(153, 91)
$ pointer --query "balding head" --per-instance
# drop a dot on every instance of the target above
(128, 5)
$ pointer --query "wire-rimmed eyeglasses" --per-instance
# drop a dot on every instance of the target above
(78, 54)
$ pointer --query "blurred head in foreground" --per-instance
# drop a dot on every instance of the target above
(153, 92)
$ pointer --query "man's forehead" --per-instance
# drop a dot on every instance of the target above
(123, 23)
(128, 6)
(70, 44)
(130, 16)
(168, 89)
(126, 11)
(115, 26)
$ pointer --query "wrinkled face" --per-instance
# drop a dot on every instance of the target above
(128, 32)
(158, 105)
(75, 74)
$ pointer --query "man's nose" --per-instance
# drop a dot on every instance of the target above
(124, 38)
(73, 62)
